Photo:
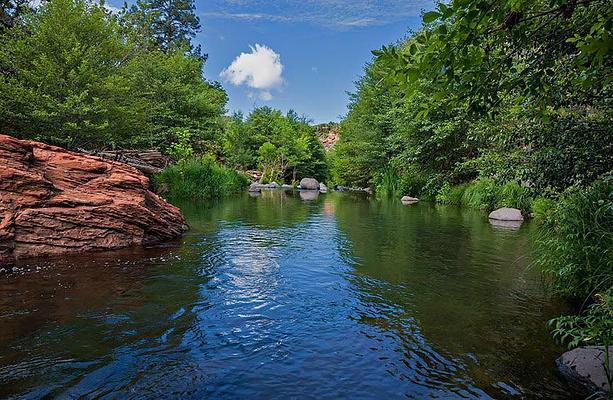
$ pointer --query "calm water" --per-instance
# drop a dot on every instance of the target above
(274, 297)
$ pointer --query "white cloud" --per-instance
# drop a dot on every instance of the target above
(265, 95)
(260, 69)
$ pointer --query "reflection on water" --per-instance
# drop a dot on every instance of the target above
(275, 297)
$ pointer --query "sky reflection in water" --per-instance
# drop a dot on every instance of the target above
(275, 297)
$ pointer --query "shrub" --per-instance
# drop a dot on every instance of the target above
(481, 193)
(511, 194)
(198, 179)
(451, 195)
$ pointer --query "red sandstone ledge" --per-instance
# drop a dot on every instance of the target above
(54, 201)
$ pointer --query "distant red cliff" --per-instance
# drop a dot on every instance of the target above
(328, 134)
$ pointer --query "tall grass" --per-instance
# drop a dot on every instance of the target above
(575, 241)
(486, 194)
(198, 179)
(388, 184)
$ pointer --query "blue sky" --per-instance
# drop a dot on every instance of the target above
(310, 51)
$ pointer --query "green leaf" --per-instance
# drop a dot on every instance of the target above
(431, 16)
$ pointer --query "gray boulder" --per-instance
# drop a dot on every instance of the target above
(273, 185)
(506, 214)
(323, 188)
(286, 187)
(255, 187)
(309, 184)
(409, 200)
(585, 365)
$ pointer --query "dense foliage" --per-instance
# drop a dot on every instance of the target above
(198, 179)
(498, 103)
(284, 147)
(75, 75)
(576, 243)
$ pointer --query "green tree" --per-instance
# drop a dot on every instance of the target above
(75, 77)
(171, 24)
(297, 150)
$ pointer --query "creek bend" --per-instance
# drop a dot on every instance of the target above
(272, 296)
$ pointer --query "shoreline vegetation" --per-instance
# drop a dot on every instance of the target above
(498, 104)
(489, 104)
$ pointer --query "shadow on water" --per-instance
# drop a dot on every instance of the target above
(277, 296)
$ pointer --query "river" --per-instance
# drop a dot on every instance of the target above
(275, 297)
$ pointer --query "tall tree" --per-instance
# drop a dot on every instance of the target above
(171, 24)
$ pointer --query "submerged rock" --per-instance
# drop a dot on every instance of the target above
(55, 201)
(309, 184)
(409, 200)
(506, 214)
(585, 365)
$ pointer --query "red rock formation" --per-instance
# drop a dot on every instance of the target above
(54, 201)
(328, 134)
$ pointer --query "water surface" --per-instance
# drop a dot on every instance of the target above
(275, 297)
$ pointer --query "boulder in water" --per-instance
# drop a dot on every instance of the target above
(309, 184)
(255, 187)
(506, 214)
(55, 201)
(323, 188)
(585, 365)
(409, 200)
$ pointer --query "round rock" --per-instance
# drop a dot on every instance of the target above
(409, 200)
(506, 214)
(309, 184)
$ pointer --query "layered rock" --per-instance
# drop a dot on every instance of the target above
(54, 201)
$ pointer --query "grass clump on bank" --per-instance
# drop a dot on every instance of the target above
(575, 243)
(198, 179)
(486, 194)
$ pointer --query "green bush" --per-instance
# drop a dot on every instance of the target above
(482, 194)
(513, 195)
(575, 241)
(451, 195)
(593, 327)
(198, 179)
